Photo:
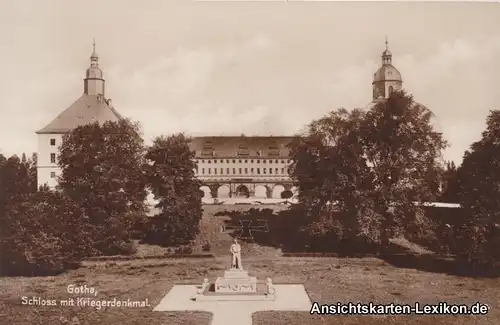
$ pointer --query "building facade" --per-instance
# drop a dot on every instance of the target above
(243, 166)
(92, 106)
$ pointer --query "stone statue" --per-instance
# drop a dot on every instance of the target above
(236, 251)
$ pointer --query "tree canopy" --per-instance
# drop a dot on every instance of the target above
(364, 173)
(103, 173)
(171, 177)
(479, 181)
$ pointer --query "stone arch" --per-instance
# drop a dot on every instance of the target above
(242, 191)
(207, 191)
(223, 191)
(277, 190)
(260, 191)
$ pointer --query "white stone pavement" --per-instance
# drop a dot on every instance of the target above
(288, 297)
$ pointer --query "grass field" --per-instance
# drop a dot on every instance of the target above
(327, 280)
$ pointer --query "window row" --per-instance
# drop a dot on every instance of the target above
(241, 171)
(211, 153)
(241, 161)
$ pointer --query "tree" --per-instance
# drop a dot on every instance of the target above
(333, 179)
(16, 182)
(28, 222)
(450, 185)
(479, 182)
(362, 175)
(102, 172)
(14, 189)
(171, 177)
(404, 152)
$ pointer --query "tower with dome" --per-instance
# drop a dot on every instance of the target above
(92, 106)
(387, 78)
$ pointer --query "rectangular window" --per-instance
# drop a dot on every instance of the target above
(52, 158)
(227, 171)
(222, 171)
(258, 171)
(239, 170)
(282, 170)
(52, 142)
(215, 171)
(208, 149)
(276, 170)
(203, 170)
(251, 170)
(270, 170)
(273, 151)
(264, 170)
(243, 150)
(234, 171)
(52, 174)
(246, 170)
(209, 171)
(207, 152)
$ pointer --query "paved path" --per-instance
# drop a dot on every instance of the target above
(288, 297)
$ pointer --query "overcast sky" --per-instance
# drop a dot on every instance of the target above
(252, 67)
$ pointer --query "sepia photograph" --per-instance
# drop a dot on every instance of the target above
(249, 162)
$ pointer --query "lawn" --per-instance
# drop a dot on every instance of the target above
(327, 280)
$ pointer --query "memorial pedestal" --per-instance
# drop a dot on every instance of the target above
(234, 281)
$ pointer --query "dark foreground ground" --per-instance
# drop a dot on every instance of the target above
(327, 280)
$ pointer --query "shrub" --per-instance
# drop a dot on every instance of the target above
(48, 233)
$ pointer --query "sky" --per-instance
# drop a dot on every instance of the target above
(254, 67)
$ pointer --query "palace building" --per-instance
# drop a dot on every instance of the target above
(230, 167)
(242, 166)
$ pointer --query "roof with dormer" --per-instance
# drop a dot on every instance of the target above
(86, 109)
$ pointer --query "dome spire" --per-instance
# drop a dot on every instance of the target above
(94, 58)
(386, 55)
(94, 81)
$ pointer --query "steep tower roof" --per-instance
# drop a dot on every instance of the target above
(91, 107)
